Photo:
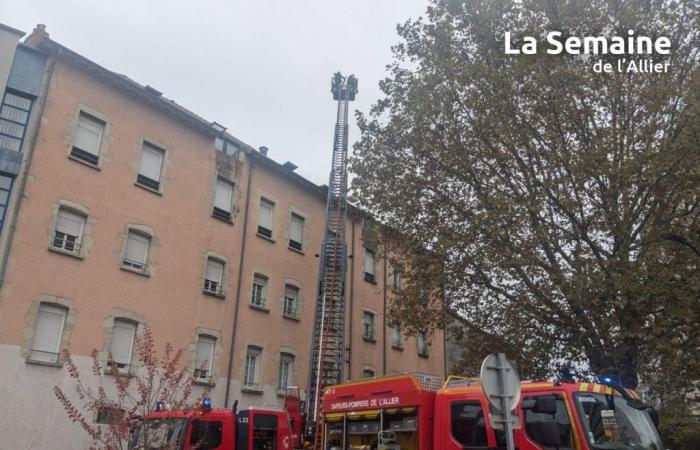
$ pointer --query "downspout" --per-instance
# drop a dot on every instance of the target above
(238, 284)
(48, 74)
(352, 296)
(384, 320)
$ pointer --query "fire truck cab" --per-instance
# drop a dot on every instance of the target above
(204, 428)
(402, 413)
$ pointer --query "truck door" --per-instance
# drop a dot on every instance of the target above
(467, 425)
(546, 423)
(206, 435)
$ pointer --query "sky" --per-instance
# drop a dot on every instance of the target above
(261, 68)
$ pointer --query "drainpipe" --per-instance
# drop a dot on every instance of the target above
(48, 74)
(384, 320)
(352, 296)
(238, 284)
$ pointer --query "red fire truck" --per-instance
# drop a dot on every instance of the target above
(405, 413)
(401, 413)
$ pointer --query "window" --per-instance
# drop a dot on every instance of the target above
(223, 200)
(252, 361)
(150, 166)
(369, 266)
(68, 234)
(265, 218)
(225, 146)
(396, 336)
(367, 373)
(468, 424)
(214, 277)
(296, 232)
(108, 415)
(206, 434)
(123, 333)
(5, 189)
(422, 344)
(396, 281)
(14, 116)
(534, 424)
(286, 369)
(136, 250)
(88, 138)
(291, 300)
(259, 291)
(48, 332)
(368, 326)
(204, 358)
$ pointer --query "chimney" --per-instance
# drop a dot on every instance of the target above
(38, 34)
(263, 150)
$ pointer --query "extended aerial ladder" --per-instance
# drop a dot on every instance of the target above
(328, 353)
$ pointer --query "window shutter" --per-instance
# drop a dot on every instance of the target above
(205, 353)
(88, 134)
(223, 195)
(297, 228)
(151, 162)
(265, 214)
(215, 270)
(122, 341)
(136, 247)
(70, 223)
(48, 332)
(369, 262)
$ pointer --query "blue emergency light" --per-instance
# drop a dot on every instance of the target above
(206, 403)
(160, 405)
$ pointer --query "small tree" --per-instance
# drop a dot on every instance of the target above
(131, 396)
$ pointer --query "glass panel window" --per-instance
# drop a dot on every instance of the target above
(296, 232)
(5, 188)
(213, 278)
(285, 371)
(252, 360)
(291, 298)
(69, 230)
(370, 266)
(367, 373)
(368, 325)
(150, 166)
(88, 138)
(534, 425)
(204, 357)
(223, 199)
(48, 332)
(14, 116)
(396, 281)
(136, 250)
(259, 291)
(467, 424)
(206, 434)
(265, 217)
(422, 343)
(396, 336)
(122, 346)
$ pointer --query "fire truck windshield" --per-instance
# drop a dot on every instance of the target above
(609, 423)
(159, 434)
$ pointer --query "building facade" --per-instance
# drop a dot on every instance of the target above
(123, 209)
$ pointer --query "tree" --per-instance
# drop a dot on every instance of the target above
(558, 208)
(126, 397)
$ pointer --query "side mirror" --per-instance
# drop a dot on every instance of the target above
(546, 433)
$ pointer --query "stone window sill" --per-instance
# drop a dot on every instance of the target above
(199, 382)
(424, 355)
(219, 295)
(259, 308)
(292, 317)
(149, 189)
(65, 252)
(268, 239)
(251, 390)
(85, 163)
(43, 363)
(398, 348)
(301, 252)
(369, 339)
(228, 221)
(143, 273)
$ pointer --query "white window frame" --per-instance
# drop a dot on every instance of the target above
(85, 118)
(212, 286)
(396, 336)
(286, 359)
(131, 264)
(266, 204)
(422, 344)
(61, 243)
(250, 377)
(227, 205)
(118, 322)
(292, 239)
(199, 373)
(370, 260)
(36, 353)
(294, 300)
(152, 149)
(261, 281)
(371, 336)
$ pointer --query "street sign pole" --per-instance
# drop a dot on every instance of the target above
(501, 385)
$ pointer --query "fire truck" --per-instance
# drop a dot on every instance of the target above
(403, 413)
(408, 412)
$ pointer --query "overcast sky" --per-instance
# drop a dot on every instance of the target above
(262, 68)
